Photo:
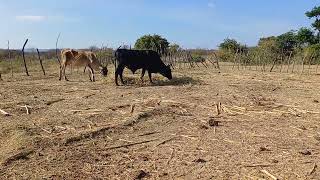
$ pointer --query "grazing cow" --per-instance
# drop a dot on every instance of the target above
(147, 60)
(80, 58)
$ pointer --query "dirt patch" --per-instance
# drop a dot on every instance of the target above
(267, 124)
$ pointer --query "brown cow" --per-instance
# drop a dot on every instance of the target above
(80, 58)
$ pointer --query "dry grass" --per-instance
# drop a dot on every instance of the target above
(83, 130)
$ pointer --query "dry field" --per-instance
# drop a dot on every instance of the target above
(269, 126)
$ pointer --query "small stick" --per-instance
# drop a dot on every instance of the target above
(258, 165)
(171, 156)
(27, 108)
(165, 141)
(4, 113)
(270, 175)
(130, 144)
(313, 169)
(132, 108)
(54, 101)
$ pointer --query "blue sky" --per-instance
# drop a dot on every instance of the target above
(190, 23)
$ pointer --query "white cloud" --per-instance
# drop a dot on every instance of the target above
(31, 18)
(54, 18)
(211, 4)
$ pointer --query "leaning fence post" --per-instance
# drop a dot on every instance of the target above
(40, 60)
(24, 59)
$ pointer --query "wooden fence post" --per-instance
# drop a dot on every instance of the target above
(40, 60)
(9, 58)
(24, 59)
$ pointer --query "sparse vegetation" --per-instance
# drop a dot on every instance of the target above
(233, 121)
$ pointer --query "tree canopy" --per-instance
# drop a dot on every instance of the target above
(153, 42)
(315, 13)
(305, 37)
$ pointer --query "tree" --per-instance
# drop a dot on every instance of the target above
(315, 13)
(155, 42)
(305, 37)
(287, 42)
(230, 45)
(174, 48)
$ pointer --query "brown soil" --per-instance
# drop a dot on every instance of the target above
(269, 122)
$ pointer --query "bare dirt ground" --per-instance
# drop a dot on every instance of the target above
(270, 123)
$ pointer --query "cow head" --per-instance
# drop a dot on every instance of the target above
(104, 71)
(166, 72)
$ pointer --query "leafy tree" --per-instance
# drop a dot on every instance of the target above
(174, 48)
(305, 37)
(269, 44)
(287, 42)
(153, 42)
(230, 45)
(315, 13)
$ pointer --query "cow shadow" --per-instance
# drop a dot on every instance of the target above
(161, 81)
(177, 81)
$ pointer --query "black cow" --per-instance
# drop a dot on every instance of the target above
(147, 60)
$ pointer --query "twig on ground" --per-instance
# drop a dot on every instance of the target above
(171, 156)
(130, 144)
(258, 165)
(4, 113)
(313, 169)
(87, 96)
(150, 133)
(165, 141)
(18, 156)
(132, 108)
(268, 174)
(54, 101)
(27, 108)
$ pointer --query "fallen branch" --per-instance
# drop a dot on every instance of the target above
(18, 156)
(130, 144)
(54, 101)
(270, 175)
(4, 113)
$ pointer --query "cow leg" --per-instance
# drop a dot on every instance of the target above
(121, 77)
(142, 74)
(84, 71)
(64, 72)
(91, 74)
(119, 71)
(149, 73)
(60, 72)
